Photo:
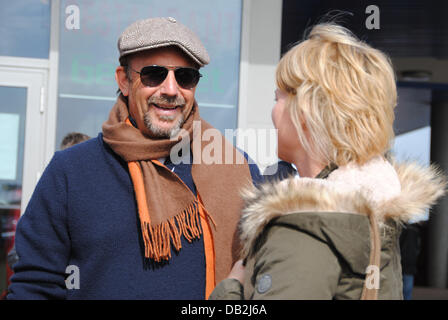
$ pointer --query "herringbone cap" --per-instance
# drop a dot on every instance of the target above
(161, 32)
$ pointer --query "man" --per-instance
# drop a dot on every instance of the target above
(116, 213)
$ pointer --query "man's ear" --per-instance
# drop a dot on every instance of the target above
(122, 80)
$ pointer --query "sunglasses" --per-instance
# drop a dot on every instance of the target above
(153, 76)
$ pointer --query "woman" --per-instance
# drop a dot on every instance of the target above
(332, 233)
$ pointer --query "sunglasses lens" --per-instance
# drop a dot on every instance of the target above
(187, 78)
(152, 76)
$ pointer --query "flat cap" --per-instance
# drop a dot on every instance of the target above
(161, 32)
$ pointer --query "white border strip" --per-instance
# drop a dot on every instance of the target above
(79, 96)
(103, 98)
(21, 62)
(52, 86)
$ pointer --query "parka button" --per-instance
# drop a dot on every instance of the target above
(264, 284)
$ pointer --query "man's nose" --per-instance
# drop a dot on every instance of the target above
(169, 87)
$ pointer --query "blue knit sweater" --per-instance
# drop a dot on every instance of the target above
(83, 213)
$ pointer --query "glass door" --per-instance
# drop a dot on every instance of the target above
(21, 161)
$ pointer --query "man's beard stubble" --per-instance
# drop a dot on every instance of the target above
(175, 129)
(164, 133)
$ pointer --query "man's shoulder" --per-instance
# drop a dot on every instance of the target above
(255, 172)
(85, 161)
(86, 155)
(279, 171)
(86, 149)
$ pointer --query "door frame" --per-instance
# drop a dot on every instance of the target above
(31, 74)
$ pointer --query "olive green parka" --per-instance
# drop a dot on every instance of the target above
(315, 238)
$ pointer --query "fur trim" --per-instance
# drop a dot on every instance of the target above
(420, 189)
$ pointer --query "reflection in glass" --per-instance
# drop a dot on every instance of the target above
(89, 56)
(25, 29)
(12, 143)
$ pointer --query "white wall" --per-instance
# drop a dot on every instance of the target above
(260, 53)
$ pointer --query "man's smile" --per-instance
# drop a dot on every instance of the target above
(165, 110)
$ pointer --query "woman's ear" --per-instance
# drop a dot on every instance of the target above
(122, 80)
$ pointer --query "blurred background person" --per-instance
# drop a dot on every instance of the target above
(73, 138)
(410, 247)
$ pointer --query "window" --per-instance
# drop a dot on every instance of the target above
(25, 29)
(88, 58)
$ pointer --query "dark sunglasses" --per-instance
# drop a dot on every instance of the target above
(153, 76)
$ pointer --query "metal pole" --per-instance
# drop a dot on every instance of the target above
(438, 222)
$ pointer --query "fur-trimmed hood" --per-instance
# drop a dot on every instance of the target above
(398, 192)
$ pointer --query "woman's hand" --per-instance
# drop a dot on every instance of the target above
(237, 271)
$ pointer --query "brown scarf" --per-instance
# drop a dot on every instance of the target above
(171, 210)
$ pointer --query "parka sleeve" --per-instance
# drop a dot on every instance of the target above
(294, 265)
(42, 240)
(227, 289)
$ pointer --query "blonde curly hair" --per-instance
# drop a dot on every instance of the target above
(344, 91)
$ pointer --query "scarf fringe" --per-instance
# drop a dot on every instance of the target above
(158, 239)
